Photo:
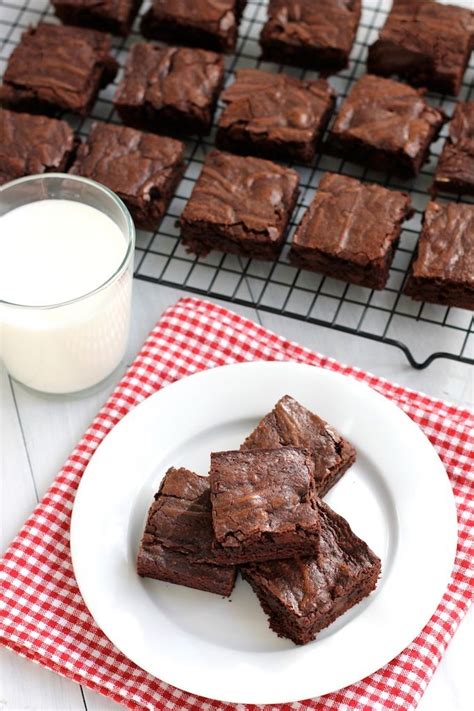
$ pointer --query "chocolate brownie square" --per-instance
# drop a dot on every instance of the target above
(303, 595)
(57, 68)
(427, 43)
(114, 16)
(455, 169)
(178, 531)
(239, 205)
(142, 168)
(443, 270)
(33, 144)
(263, 504)
(211, 24)
(350, 231)
(170, 89)
(274, 115)
(290, 424)
(386, 125)
(316, 34)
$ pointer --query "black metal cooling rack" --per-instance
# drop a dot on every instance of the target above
(424, 332)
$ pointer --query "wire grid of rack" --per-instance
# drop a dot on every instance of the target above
(423, 332)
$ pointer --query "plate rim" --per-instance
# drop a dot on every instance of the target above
(148, 403)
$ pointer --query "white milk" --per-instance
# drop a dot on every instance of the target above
(53, 251)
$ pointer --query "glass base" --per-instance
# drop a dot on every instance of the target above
(116, 374)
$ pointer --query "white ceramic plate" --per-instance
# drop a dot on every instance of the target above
(397, 497)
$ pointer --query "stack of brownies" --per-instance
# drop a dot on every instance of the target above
(260, 510)
(243, 202)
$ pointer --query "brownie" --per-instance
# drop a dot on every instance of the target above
(142, 168)
(290, 424)
(56, 68)
(274, 115)
(427, 43)
(178, 531)
(239, 205)
(443, 270)
(350, 231)
(386, 125)
(455, 169)
(170, 89)
(114, 16)
(317, 34)
(304, 595)
(33, 144)
(263, 504)
(211, 24)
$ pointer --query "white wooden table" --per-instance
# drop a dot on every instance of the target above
(38, 432)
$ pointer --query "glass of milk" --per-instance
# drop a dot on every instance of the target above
(66, 268)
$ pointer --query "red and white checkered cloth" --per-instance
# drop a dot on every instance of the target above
(43, 615)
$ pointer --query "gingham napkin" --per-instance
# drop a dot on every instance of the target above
(43, 615)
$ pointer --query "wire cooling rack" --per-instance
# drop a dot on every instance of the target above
(423, 332)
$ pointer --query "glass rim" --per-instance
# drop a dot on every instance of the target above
(130, 235)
